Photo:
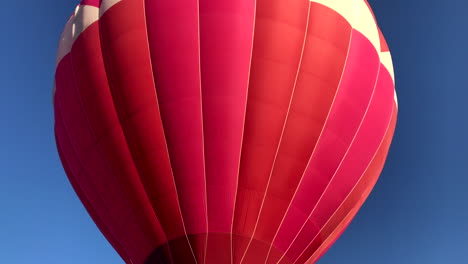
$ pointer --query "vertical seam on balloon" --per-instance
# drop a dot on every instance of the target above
(164, 132)
(75, 184)
(341, 161)
(318, 140)
(109, 81)
(72, 180)
(96, 140)
(360, 178)
(203, 132)
(72, 177)
(243, 129)
(366, 193)
(59, 112)
(306, 31)
(106, 161)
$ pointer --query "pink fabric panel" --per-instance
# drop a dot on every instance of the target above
(348, 209)
(226, 32)
(277, 52)
(324, 53)
(174, 45)
(353, 97)
(362, 151)
(354, 164)
(226, 37)
(226, 44)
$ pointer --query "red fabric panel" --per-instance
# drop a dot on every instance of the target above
(90, 2)
(363, 149)
(89, 207)
(174, 45)
(88, 165)
(277, 51)
(348, 209)
(98, 201)
(226, 36)
(325, 50)
(353, 165)
(353, 96)
(96, 99)
(129, 70)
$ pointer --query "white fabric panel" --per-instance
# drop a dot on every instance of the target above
(357, 13)
(82, 18)
(106, 4)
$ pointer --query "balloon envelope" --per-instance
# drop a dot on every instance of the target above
(223, 131)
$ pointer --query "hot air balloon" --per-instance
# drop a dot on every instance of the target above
(216, 131)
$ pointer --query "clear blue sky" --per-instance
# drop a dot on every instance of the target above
(418, 212)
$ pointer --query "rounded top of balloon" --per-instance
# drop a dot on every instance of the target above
(216, 131)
